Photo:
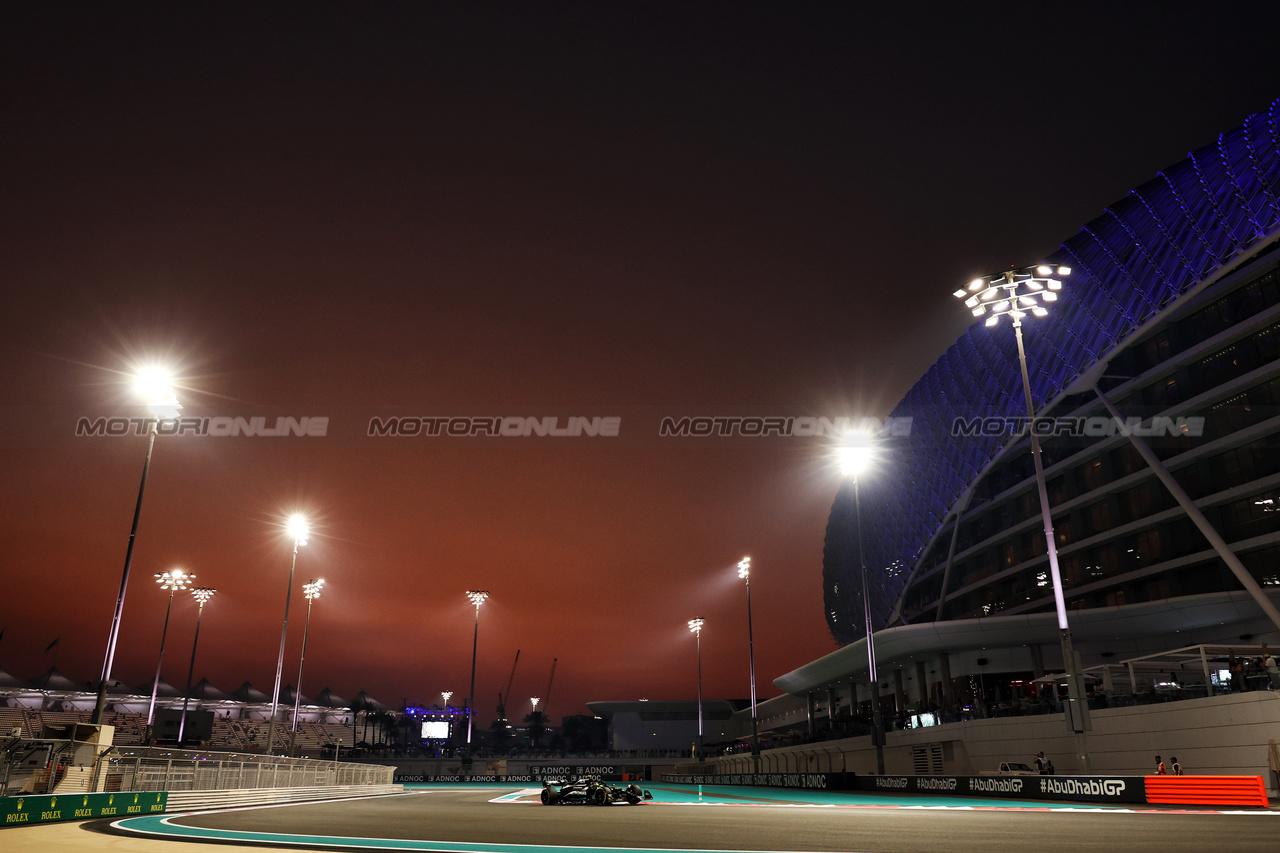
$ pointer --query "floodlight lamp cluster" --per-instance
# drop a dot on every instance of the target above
(1015, 293)
(312, 589)
(299, 529)
(446, 694)
(695, 625)
(535, 700)
(176, 579)
(477, 596)
(744, 568)
(202, 594)
(855, 453)
(155, 386)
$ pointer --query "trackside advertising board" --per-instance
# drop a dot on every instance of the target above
(820, 781)
(1080, 789)
(1084, 789)
(608, 773)
(42, 808)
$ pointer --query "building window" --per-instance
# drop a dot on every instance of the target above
(1064, 530)
(1149, 547)
(1093, 475)
(1125, 460)
(1137, 502)
(1097, 517)
(1156, 589)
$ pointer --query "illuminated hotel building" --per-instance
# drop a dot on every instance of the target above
(1172, 310)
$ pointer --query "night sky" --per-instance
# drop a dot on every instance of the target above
(346, 209)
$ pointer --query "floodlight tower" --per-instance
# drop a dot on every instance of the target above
(695, 625)
(155, 387)
(201, 595)
(477, 597)
(311, 590)
(856, 455)
(171, 581)
(744, 572)
(1015, 293)
(300, 531)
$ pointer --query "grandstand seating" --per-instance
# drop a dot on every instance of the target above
(313, 738)
(12, 718)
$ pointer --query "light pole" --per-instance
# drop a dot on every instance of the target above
(855, 456)
(155, 387)
(744, 572)
(695, 625)
(201, 595)
(171, 581)
(477, 597)
(299, 530)
(445, 695)
(311, 591)
(1015, 293)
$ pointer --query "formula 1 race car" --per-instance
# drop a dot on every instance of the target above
(591, 791)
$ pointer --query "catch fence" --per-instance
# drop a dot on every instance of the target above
(159, 769)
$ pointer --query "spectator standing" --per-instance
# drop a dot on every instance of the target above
(1040, 763)
(1236, 666)
(1272, 669)
(1161, 770)
(1177, 768)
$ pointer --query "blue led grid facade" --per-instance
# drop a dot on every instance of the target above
(1145, 252)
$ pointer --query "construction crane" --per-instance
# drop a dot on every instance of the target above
(546, 705)
(503, 698)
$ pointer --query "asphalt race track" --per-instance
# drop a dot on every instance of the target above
(478, 819)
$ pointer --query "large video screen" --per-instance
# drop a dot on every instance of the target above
(435, 730)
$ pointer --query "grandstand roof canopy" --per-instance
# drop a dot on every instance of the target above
(248, 693)
(205, 691)
(117, 688)
(288, 695)
(326, 699)
(52, 680)
(163, 689)
(11, 681)
(369, 700)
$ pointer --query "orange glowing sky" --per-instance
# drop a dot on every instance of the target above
(325, 209)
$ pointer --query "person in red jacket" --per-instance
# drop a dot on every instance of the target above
(1161, 770)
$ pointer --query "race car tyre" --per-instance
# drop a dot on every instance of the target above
(634, 794)
(549, 797)
(600, 797)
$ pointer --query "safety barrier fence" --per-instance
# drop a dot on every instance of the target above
(1207, 790)
(433, 778)
(158, 769)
